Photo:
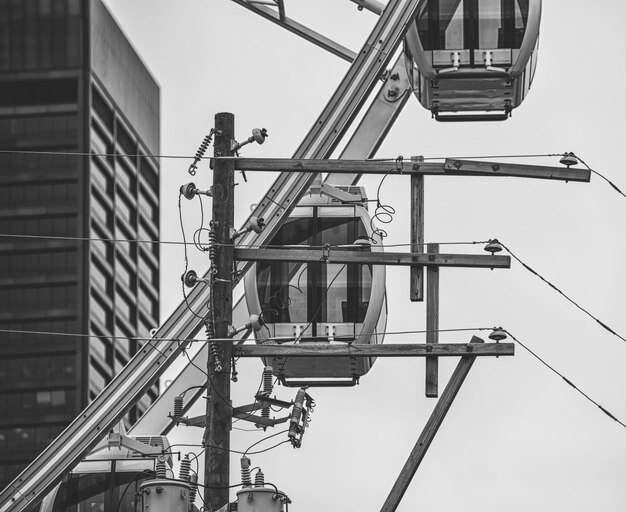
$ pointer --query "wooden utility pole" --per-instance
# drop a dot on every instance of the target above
(219, 409)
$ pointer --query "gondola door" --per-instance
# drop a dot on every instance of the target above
(320, 300)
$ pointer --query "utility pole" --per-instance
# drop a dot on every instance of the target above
(219, 319)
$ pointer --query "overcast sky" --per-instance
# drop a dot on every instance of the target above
(517, 437)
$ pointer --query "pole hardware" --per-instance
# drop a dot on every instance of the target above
(190, 279)
(493, 246)
(299, 417)
(189, 190)
(255, 324)
(258, 135)
(255, 224)
(204, 145)
(569, 159)
(498, 334)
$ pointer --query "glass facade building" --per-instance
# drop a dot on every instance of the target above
(79, 121)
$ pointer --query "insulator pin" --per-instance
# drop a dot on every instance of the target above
(179, 405)
(267, 389)
(161, 467)
(185, 468)
(193, 480)
(246, 479)
(498, 334)
(259, 479)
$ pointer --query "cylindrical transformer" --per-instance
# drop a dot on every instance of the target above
(259, 499)
(162, 495)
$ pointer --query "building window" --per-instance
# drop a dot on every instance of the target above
(126, 175)
(149, 174)
(101, 176)
(102, 210)
(101, 244)
(101, 108)
(126, 277)
(126, 142)
(148, 303)
(101, 312)
(38, 298)
(30, 131)
(148, 207)
(18, 93)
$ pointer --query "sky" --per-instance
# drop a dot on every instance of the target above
(517, 436)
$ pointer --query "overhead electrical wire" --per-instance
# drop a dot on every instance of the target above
(613, 185)
(265, 439)
(540, 155)
(390, 159)
(567, 381)
(182, 282)
(204, 447)
(193, 157)
(198, 245)
(193, 340)
(557, 289)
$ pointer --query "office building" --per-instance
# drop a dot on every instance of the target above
(79, 121)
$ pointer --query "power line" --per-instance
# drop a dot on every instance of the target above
(197, 243)
(554, 287)
(615, 187)
(568, 381)
(192, 340)
(541, 155)
(397, 159)
(92, 239)
(182, 230)
(84, 153)
(265, 439)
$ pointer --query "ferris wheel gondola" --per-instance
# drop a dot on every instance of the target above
(323, 302)
(473, 59)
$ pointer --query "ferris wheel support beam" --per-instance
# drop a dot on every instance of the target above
(365, 141)
(278, 16)
(131, 383)
(370, 5)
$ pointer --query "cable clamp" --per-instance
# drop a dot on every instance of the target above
(326, 253)
(399, 163)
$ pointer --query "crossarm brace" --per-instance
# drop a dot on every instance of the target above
(430, 430)
(385, 350)
(450, 167)
(373, 258)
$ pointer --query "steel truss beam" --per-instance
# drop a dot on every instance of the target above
(278, 16)
(369, 134)
(144, 369)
